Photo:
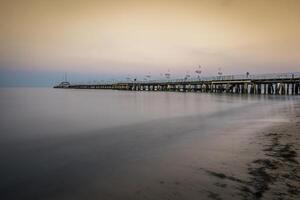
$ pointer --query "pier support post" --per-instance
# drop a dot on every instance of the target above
(184, 88)
(242, 89)
(210, 88)
(205, 88)
(246, 88)
(282, 88)
(259, 88)
(237, 91)
(272, 90)
(276, 88)
(252, 90)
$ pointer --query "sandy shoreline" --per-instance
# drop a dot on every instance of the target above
(274, 172)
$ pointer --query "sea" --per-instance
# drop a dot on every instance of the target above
(109, 144)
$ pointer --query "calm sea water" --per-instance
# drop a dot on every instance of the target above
(102, 144)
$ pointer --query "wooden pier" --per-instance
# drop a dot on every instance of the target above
(272, 84)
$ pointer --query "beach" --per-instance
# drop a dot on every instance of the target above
(274, 171)
(74, 144)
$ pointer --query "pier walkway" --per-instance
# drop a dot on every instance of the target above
(277, 84)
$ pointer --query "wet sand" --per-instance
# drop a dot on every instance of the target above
(274, 170)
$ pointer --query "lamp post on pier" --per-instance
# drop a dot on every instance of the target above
(198, 72)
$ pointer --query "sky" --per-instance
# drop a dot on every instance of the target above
(114, 39)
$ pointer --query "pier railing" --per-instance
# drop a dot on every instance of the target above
(274, 76)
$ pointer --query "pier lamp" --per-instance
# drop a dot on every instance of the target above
(168, 74)
(220, 72)
(187, 76)
(198, 71)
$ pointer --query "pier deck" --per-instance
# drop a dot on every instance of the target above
(280, 84)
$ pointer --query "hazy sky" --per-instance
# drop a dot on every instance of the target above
(44, 38)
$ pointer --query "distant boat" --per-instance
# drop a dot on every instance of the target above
(64, 84)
